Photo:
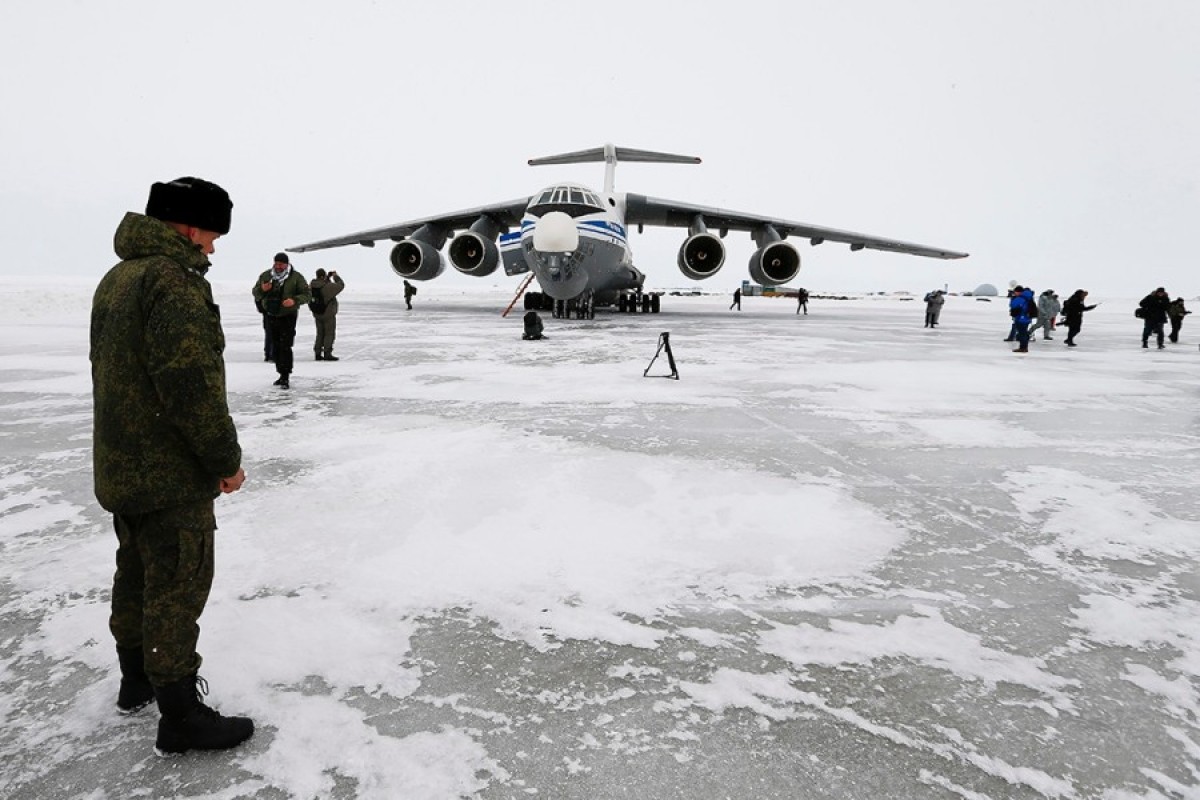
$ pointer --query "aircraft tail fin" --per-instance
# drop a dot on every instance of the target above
(610, 155)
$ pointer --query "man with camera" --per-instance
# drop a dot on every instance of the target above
(324, 307)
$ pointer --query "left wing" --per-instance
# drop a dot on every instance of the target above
(642, 210)
(505, 215)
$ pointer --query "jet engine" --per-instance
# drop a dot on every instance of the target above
(474, 251)
(471, 254)
(702, 254)
(774, 264)
(417, 257)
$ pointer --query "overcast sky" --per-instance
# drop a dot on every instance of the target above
(1057, 142)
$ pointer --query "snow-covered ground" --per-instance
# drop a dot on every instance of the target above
(843, 556)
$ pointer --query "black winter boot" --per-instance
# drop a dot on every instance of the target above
(188, 724)
(136, 692)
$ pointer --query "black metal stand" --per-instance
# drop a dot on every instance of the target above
(664, 343)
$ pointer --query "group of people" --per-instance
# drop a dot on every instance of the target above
(1155, 310)
(1028, 315)
(165, 445)
(279, 294)
(801, 300)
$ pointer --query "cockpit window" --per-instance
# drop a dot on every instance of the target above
(572, 200)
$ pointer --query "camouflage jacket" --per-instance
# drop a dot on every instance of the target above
(162, 433)
(293, 286)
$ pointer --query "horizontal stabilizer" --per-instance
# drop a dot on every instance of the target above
(619, 153)
(610, 155)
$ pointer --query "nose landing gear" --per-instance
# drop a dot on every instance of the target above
(581, 307)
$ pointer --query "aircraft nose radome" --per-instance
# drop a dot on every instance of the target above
(555, 233)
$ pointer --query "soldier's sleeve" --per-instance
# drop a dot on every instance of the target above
(257, 290)
(184, 346)
(334, 287)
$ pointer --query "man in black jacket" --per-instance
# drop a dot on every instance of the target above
(1073, 313)
(1154, 307)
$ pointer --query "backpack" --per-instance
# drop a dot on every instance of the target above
(317, 302)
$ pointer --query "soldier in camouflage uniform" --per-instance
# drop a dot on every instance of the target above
(327, 287)
(283, 292)
(164, 447)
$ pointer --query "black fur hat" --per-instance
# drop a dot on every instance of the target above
(191, 201)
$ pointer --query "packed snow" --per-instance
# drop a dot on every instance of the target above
(843, 556)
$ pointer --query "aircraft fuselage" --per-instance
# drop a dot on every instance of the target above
(574, 241)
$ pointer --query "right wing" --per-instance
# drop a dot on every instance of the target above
(642, 210)
(505, 215)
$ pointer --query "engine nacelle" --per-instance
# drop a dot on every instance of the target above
(472, 254)
(701, 255)
(775, 264)
(417, 260)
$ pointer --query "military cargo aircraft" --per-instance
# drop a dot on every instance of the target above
(575, 240)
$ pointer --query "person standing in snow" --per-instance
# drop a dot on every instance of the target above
(409, 291)
(324, 290)
(282, 291)
(1154, 315)
(933, 307)
(164, 447)
(1176, 313)
(737, 300)
(802, 301)
(1022, 309)
(1048, 308)
(1073, 313)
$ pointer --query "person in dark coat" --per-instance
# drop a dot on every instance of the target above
(409, 291)
(533, 326)
(1073, 313)
(737, 300)
(1176, 313)
(1154, 307)
(933, 307)
(802, 301)
(268, 345)
(164, 446)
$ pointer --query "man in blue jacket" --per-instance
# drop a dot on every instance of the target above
(1022, 309)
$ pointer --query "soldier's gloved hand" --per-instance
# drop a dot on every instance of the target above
(234, 482)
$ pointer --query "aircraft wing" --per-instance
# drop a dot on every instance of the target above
(505, 215)
(642, 210)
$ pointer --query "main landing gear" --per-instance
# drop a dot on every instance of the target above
(637, 300)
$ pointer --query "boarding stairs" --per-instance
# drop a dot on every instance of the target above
(517, 296)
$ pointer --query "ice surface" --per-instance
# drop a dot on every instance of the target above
(843, 557)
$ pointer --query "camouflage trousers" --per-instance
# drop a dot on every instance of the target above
(164, 573)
